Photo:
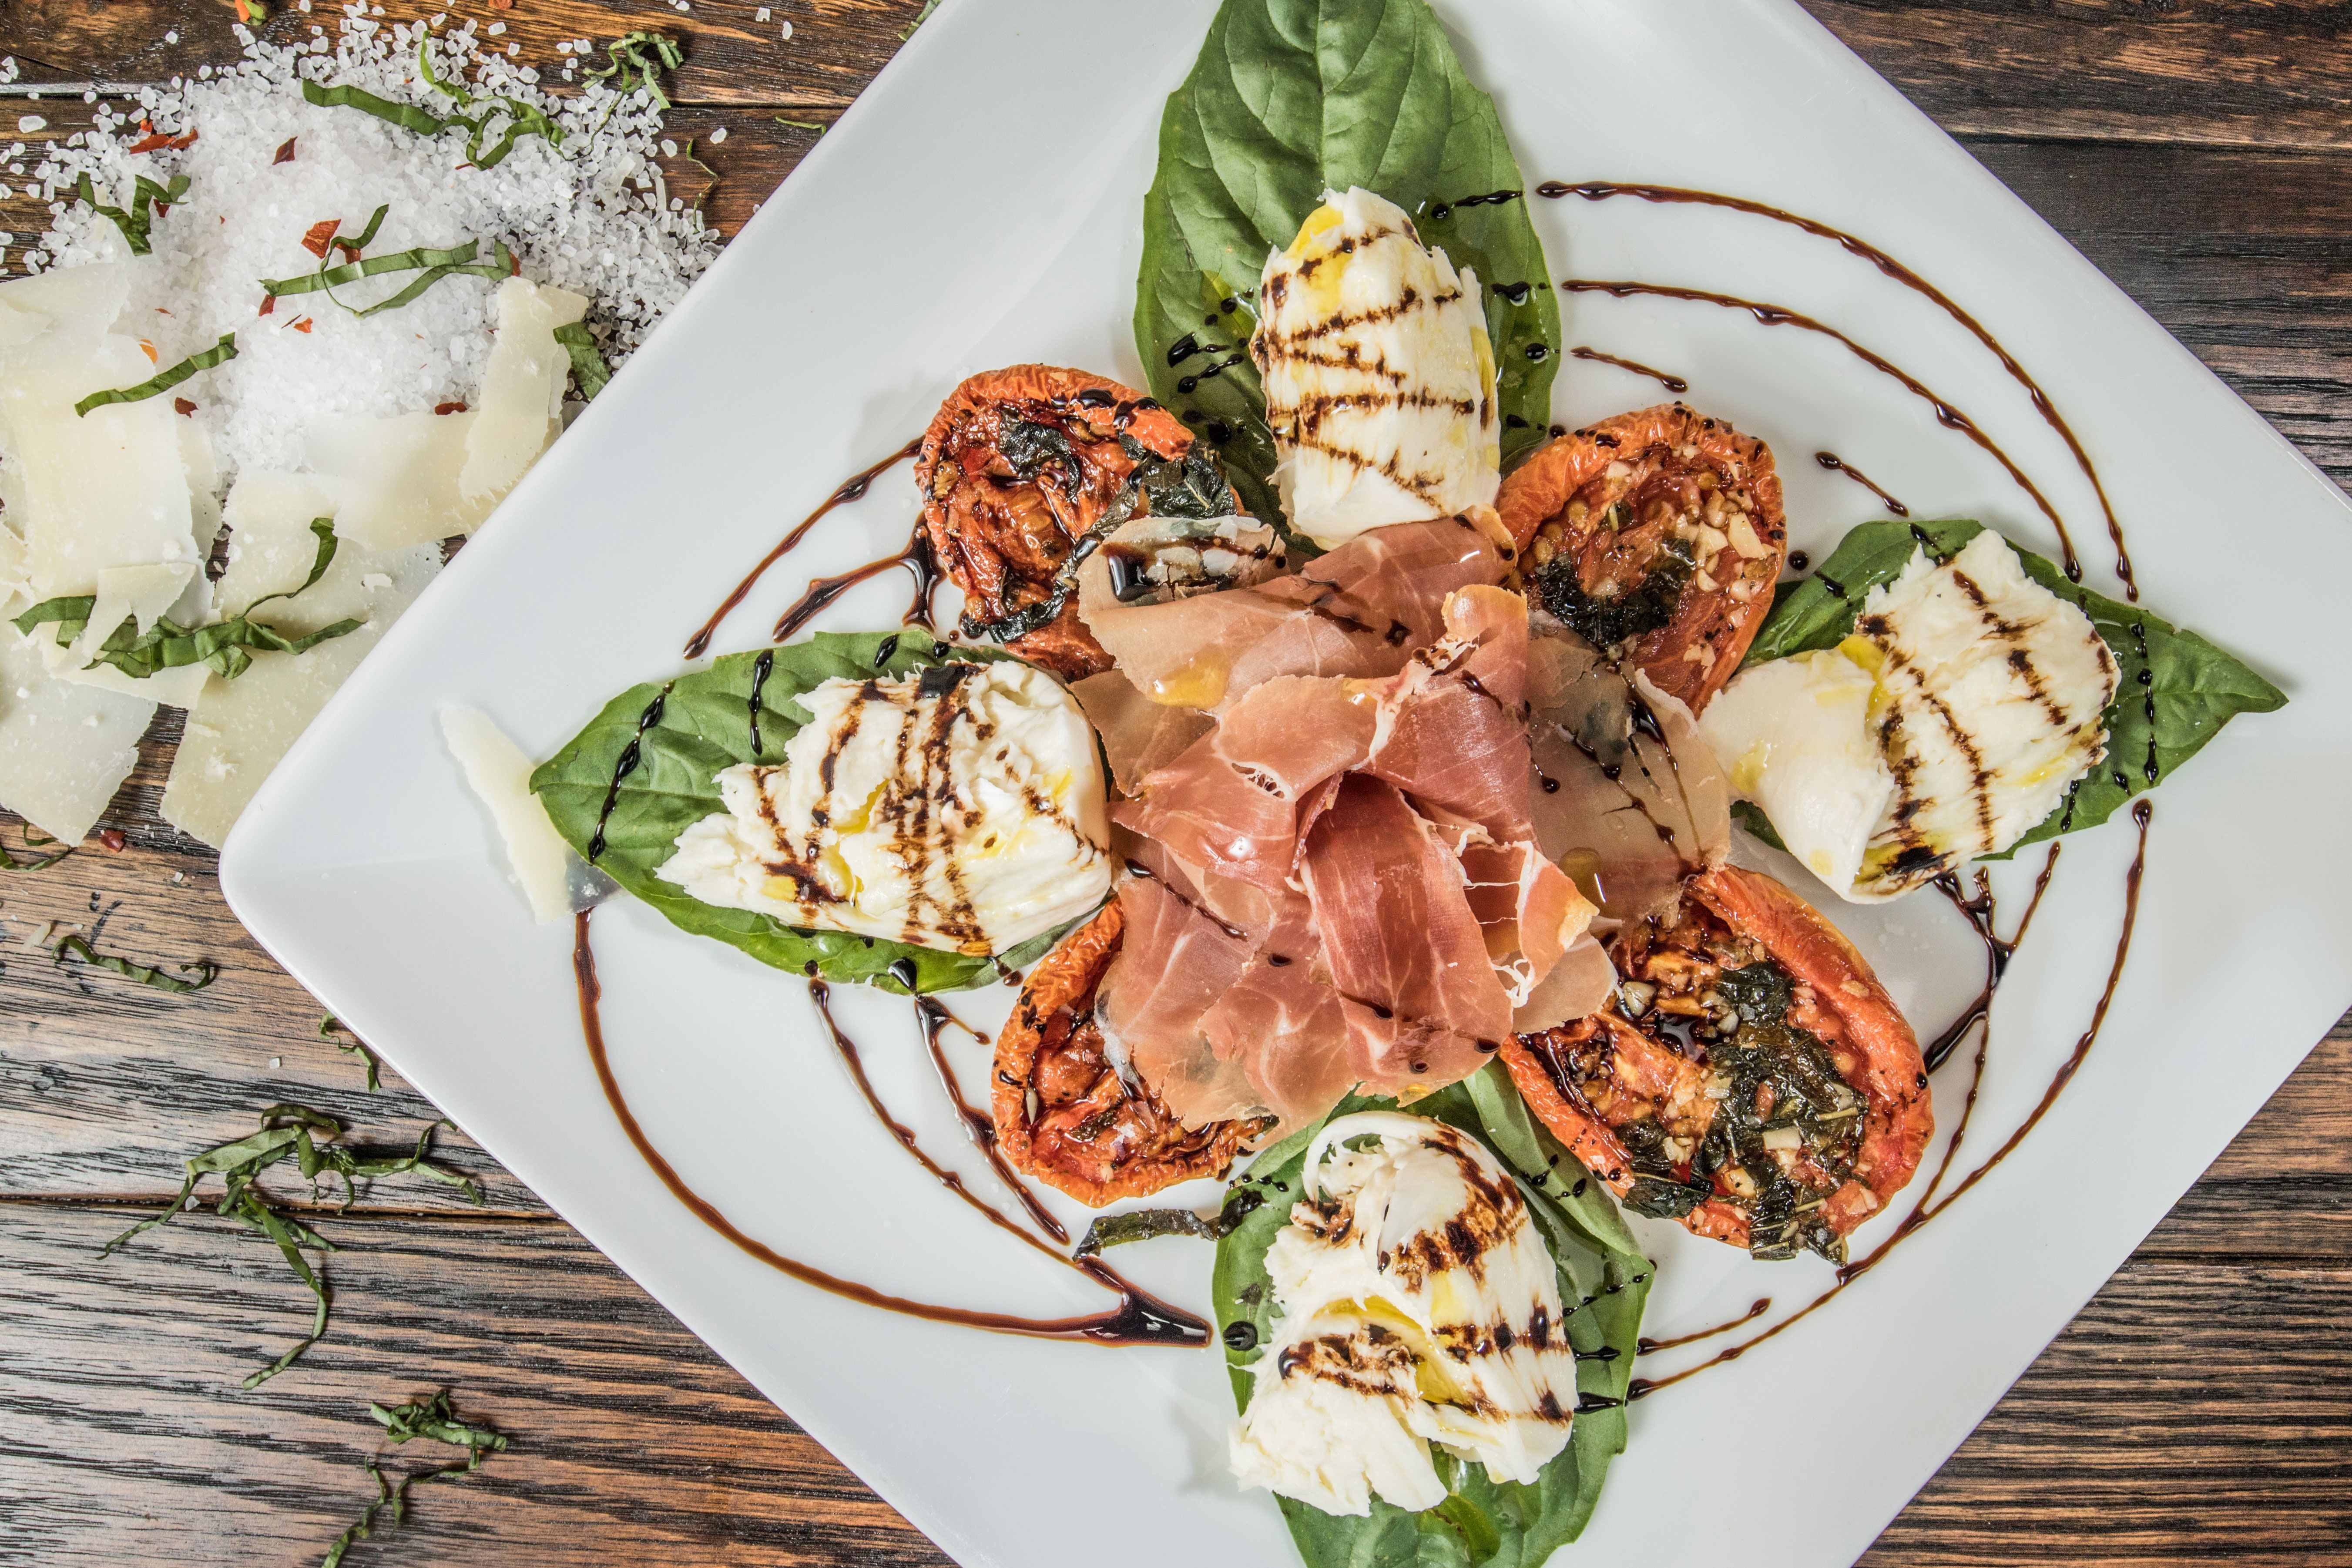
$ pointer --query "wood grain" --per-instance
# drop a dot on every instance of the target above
(2197, 1411)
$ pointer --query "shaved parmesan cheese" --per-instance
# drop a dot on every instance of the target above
(239, 729)
(499, 774)
(394, 481)
(270, 545)
(138, 592)
(523, 389)
(75, 304)
(64, 748)
(107, 491)
(15, 587)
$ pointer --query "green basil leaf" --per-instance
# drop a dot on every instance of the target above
(1287, 99)
(706, 726)
(588, 366)
(205, 970)
(164, 381)
(148, 202)
(1481, 1524)
(2177, 690)
(638, 59)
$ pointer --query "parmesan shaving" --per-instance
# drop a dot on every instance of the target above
(499, 774)
(65, 747)
(523, 390)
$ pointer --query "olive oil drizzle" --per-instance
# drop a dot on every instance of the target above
(1947, 415)
(1602, 190)
(1928, 1208)
(849, 490)
(1138, 1318)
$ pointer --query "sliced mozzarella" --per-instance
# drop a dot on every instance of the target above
(960, 809)
(1794, 736)
(1380, 379)
(1419, 1305)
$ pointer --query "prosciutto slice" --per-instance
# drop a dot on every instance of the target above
(1630, 798)
(1283, 1023)
(1404, 950)
(1359, 611)
(1339, 883)
(1174, 964)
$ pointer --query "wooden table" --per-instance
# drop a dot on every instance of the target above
(2199, 1409)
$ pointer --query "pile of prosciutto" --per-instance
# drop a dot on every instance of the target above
(1334, 876)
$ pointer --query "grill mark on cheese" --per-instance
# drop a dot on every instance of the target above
(1980, 776)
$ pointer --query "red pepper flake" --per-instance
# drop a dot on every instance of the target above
(182, 406)
(450, 407)
(502, 4)
(320, 235)
(112, 837)
(150, 349)
(302, 325)
(268, 303)
(156, 142)
(285, 153)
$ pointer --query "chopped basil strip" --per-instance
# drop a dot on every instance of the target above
(436, 265)
(1143, 1224)
(148, 201)
(292, 1132)
(408, 116)
(588, 366)
(10, 863)
(817, 126)
(226, 648)
(205, 970)
(630, 63)
(330, 1026)
(522, 118)
(434, 1418)
(220, 353)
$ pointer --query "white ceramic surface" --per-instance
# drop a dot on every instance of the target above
(979, 206)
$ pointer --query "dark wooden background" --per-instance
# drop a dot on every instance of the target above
(2200, 1409)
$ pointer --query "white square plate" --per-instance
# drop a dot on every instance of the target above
(980, 205)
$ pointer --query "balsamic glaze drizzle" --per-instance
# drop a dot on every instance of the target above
(761, 668)
(916, 557)
(1602, 190)
(1927, 1207)
(1645, 1344)
(936, 1019)
(1947, 415)
(1978, 912)
(1838, 465)
(850, 490)
(1138, 1318)
(1673, 384)
(626, 763)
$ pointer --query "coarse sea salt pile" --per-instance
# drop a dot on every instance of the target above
(339, 446)
(591, 217)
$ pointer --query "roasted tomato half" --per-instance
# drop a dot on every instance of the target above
(1656, 536)
(1751, 1078)
(1063, 1112)
(1022, 471)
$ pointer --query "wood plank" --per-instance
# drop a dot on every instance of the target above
(2189, 1397)
(731, 56)
(128, 1442)
(2194, 1413)
(2275, 75)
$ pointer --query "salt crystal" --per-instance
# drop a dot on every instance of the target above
(760, 14)
(788, 32)
(28, 123)
(669, 148)
(278, 1061)
(173, 37)
(513, 49)
(719, 135)
(494, 28)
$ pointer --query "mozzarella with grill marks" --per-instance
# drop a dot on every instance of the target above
(959, 809)
(1379, 378)
(1419, 1305)
(1987, 700)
